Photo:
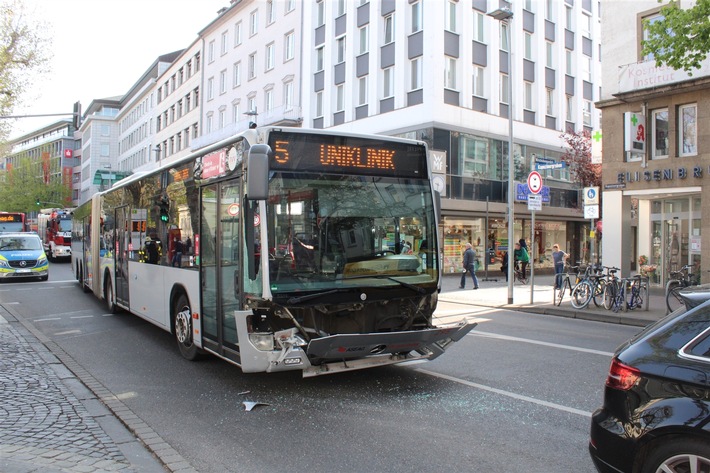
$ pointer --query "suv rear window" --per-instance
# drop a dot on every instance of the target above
(699, 347)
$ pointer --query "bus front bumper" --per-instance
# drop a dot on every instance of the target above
(349, 352)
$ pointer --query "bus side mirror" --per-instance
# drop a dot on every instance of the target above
(258, 172)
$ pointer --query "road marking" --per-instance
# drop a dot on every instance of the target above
(47, 319)
(107, 315)
(537, 342)
(520, 397)
(81, 317)
(68, 332)
(11, 303)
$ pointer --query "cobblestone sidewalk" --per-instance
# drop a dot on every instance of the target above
(50, 422)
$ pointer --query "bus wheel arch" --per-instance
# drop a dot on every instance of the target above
(181, 324)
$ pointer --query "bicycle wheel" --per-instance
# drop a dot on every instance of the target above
(581, 295)
(598, 295)
(673, 299)
(559, 293)
(609, 295)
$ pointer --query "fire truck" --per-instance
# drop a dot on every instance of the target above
(54, 227)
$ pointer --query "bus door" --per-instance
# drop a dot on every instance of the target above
(220, 266)
(120, 247)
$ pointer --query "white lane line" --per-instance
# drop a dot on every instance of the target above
(11, 303)
(520, 397)
(537, 342)
(47, 319)
(68, 332)
(81, 317)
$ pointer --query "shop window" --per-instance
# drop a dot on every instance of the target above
(659, 134)
(474, 157)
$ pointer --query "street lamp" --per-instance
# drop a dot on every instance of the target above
(253, 114)
(505, 15)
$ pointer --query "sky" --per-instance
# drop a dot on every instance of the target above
(100, 48)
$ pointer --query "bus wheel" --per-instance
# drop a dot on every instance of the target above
(108, 295)
(183, 328)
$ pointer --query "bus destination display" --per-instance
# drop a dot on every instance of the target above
(346, 154)
(10, 218)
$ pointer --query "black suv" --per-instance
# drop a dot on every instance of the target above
(656, 412)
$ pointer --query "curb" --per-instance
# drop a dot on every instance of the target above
(169, 458)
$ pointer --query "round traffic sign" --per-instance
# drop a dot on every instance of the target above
(535, 182)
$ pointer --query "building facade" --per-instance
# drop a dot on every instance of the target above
(52, 152)
(438, 72)
(656, 167)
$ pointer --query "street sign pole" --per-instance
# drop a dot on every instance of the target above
(532, 257)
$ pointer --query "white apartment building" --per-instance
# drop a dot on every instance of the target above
(99, 145)
(431, 70)
(177, 113)
(252, 68)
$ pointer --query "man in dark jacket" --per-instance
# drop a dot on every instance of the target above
(469, 258)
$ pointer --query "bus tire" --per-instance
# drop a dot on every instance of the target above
(82, 282)
(108, 295)
(182, 317)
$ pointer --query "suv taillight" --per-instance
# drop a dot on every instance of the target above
(621, 376)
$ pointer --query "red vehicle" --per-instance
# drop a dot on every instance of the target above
(54, 227)
(13, 222)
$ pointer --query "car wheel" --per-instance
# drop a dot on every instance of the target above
(679, 455)
(183, 328)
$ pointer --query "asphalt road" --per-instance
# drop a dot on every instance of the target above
(515, 395)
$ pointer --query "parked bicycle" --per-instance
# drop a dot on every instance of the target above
(588, 289)
(611, 287)
(566, 284)
(678, 281)
(637, 291)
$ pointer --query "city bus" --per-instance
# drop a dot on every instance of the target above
(13, 222)
(277, 249)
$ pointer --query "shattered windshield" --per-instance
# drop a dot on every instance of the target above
(333, 231)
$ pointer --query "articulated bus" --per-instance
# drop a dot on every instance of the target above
(277, 249)
(13, 222)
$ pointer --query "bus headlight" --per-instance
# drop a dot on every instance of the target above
(262, 341)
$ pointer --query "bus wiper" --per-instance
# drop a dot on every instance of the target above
(413, 287)
(308, 297)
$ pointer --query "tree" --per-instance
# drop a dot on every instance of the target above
(578, 156)
(22, 56)
(24, 185)
(681, 38)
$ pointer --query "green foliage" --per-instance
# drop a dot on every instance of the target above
(681, 39)
(23, 185)
(22, 55)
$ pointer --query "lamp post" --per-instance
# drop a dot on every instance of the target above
(505, 15)
(253, 114)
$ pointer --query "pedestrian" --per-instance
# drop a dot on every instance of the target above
(559, 257)
(504, 265)
(188, 246)
(469, 265)
(521, 254)
(177, 253)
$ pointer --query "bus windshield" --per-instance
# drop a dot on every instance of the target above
(334, 231)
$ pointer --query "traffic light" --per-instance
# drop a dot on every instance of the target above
(38, 202)
(164, 205)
